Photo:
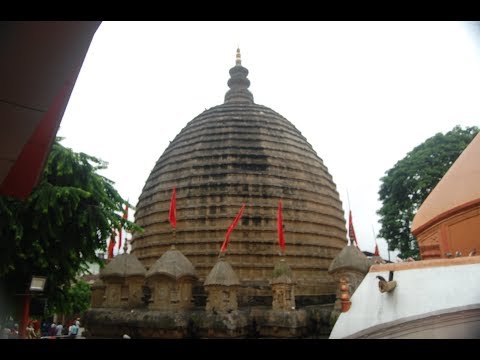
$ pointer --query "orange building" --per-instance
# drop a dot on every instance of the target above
(448, 221)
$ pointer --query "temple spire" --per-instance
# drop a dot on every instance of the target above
(238, 83)
(239, 57)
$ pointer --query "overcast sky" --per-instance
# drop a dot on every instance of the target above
(362, 93)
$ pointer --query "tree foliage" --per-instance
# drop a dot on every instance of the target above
(405, 186)
(57, 230)
(76, 302)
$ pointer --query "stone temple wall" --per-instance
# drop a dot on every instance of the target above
(233, 154)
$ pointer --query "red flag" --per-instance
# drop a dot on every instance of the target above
(230, 229)
(111, 246)
(125, 216)
(281, 239)
(376, 249)
(172, 215)
(351, 231)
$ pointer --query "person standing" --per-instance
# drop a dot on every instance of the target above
(31, 331)
(14, 332)
(53, 329)
(73, 330)
(59, 329)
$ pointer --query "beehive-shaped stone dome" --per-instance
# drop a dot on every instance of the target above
(282, 273)
(350, 258)
(240, 152)
(222, 274)
(123, 265)
(173, 264)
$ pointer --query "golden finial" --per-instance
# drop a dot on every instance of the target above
(239, 57)
(344, 295)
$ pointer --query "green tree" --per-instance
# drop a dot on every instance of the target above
(405, 186)
(59, 228)
(77, 300)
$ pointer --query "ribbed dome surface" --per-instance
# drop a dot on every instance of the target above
(282, 274)
(222, 274)
(174, 264)
(123, 265)
(240, 152)
(350, 258)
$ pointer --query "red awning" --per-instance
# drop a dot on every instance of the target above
(39, 64)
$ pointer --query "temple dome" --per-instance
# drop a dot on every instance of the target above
(222, 274)
(350, 258)
(174, 264)
(234, 153)
(123, 265)
(282, 274)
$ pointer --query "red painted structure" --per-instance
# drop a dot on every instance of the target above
(39, 65)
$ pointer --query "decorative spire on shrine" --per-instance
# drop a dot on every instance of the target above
(238, 83)
(239, 57)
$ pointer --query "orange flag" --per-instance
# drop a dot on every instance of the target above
(125, 216)
(281, 239)
(376, 249)
(351, 231)
(172, 215)
(230, 229)
(111, 246)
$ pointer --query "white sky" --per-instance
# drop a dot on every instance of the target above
(362, 93)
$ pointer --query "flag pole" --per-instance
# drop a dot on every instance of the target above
(375, 237)
(172, 215)
(348, 199)
(125, 216)
(350, 242)
(175, 227)
(281, 229)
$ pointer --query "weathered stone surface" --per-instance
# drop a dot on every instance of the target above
(319, 321)
(352, 264)
(98, 293)
(123, 265)
(283, 287)
(256, 322)
(123, 278)
(350, 258)
(174, 264)
(170, 294)
(241, 152)
(232, 154)
(221, 286)
(222, 274)
(284, 324)
(171, 281)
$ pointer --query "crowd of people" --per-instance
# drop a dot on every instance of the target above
(9, 331)
(59, 330)
(35, 331)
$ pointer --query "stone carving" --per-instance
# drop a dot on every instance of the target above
(172, 277)
(352, 266)
(221, 285)
(123, 278)
(283, 294)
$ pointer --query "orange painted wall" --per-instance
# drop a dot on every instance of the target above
(458, 231)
